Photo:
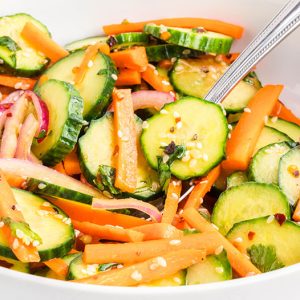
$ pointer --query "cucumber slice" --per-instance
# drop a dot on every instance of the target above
(84, 43)
(207, 41)
(175, 280)
(129, 39)
(203, 130)
(14, 264)
(289, 128)
(284, 239)
(236, 178)
(97, 85)
(57, 234)
(28, 62)
(93, 154)
(65, 121)
(264, 164)
(8, 49)
(195, 77)
(289, 177)
(247, 201)
(157, 53)
(214, 268)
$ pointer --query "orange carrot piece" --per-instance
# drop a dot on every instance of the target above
(282, 112)
(159, 83)
(213, 25)
(90, 54)
(171, 202)
(243, 139)
(158, 231)
(40, 41)
(19, 83)
(202, 188)
(128, 77)
(240, 263)
(132, 58)
(60, 168)
(125, 129)
(296, 215)
(83, 212)
(130, 253)
(58, 265)
(152, 269)
(109, 232)
(15, 181)
(71, 164)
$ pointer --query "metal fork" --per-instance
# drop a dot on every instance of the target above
(285, 22)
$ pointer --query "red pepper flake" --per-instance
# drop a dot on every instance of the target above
(251, 235)
(177, 119)
(229, 55)
(280, 218)
(9, 115)
(293, 170)
(5, 264)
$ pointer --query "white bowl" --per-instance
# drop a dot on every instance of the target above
(73, 19)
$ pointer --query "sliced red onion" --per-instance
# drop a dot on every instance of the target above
(13, 97)
(145, 207)
(4, 107)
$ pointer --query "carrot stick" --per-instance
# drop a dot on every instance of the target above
(282, 112)
(71, 164)
(296, 215)
(87, 61)
(202, 188)
(130, 253)
(128, 77)
(60, 168)
(243, 139)
(155, 80)
(152, 269)
(109, 232)
(240, 263)
(124, 120)
(83, 212)
(171, 203)
(213, 25)
(40, 41)
(58, 265)
(132, 58)
(158, 231)
(19, 83)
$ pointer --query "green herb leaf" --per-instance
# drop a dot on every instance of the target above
(8, 43)
(188, 231)
(106, 267)
(264, 258)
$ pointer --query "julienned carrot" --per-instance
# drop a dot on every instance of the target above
(282, 112)
(128, 77)
(40, 41)
(239, 262)
(171, 202)
(152, 269)
(213, 25)
(87, 62)
(132, 58)
(83, 212)
(158, 231)
(60, 168)
(58, 265)
(243, 139)
(109, 232)
(152, 77)
(296, 215)
(19, 83)
(125, 130)
(196, 197)
(130, 253)
(71, 164)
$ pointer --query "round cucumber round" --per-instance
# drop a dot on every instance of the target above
(275, 243)
(129, 39)
(202, 129)
(84, 43)
(65, 121)
(289, 174)
(57, 234)
(264, 165)
(247, 201)
(176, 279)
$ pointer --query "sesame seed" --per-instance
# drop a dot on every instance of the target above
(1, 224)
(71, 82)
(212, 69)
(19, 233)
(165, 82)
(173, 59)
(175, 242)
(179, 68)
(186, 158)
(58, 216)
(247, 110)
(177, 280)
(174, 196)
(26, 240)
(35, 243)
(179, 125)
(203, 181)
(17, 207)
(238, 240)
(155, 186)
(15, 244)
(153, 266)
(161, 261)
(90, 64)
(176, 114)
(163, 29)
(274, 119)
(214, 76)
(164, 112)
(41, 186)
(190, 145)
(151, 66)
(114, 76)
(46, 204)
(270, 219)
(199, 145)
(136, 275)
(219, 270)
(205, 157)
(119, 266)
(155, 72)
(120, 133)
(229, 126)
(77, 232)
(196, 154)
(165, 158)
(125, 138)
(229, 136)
(215, 226)
(18, 85)
(266, 119)
(172, 94)
(219, 250)
(186, 52)
(145, 125)
(193, 163)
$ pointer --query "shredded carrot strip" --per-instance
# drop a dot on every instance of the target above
(58, 265)
(19, 83)
(282, 112)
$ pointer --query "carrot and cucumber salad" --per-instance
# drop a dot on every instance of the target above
(115, 171)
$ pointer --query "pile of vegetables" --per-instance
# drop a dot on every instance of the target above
(115, 171)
